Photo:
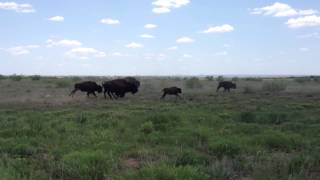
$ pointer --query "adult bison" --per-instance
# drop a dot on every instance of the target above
(171, 91)
(226, 85)
(88, 86)
(119, 87)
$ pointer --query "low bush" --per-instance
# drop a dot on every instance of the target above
(62, 84)
(86, 165)
(164, 122)
(223, 147)
(274, 86)
(220, 78)
(248, 117)
(147, 127)
(193, 83)
(15, 77)
(165, 172)
(191, 158)
(35, 77)
(248, 90)
(209, 78)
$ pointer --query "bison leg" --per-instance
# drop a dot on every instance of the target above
(115, 96)
(177, 95)
(94, 94)
(110, 94)
(218, 88)
(104, 93)
(164, 95)
(72, 92)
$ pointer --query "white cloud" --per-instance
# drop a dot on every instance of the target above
(306, 21)
(173, 48)
(64, 43)
(304, 49)
(150, 26)
(84, 53)
(56, 18)
(147, 36)
(154, 56)
(311, 35)
(187, 56)
(282, 10)
(110, 21)
(161, 10)
(20, 8)
(118, 54)
(165, 6)
(21, 50)
(134, 45)
(219, 29)
(185, 40)
(222, 53)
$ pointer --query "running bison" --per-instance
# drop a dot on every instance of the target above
(227, 85)
(119, 87)
(88, 86)
(171, 91)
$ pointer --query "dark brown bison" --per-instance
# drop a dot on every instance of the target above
(119, 87)
(227, 85)
(171, 91)
(133, 80)
(88, 86)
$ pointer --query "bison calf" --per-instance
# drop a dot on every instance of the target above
(227, 85)
(171, 91)
(88, 86)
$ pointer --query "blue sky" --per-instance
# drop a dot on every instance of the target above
(160, 37)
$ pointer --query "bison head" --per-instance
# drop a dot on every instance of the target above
(234, 86)
(179, 90)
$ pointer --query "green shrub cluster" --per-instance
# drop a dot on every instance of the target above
(193, 83)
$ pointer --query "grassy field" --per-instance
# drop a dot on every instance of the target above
(265, 129)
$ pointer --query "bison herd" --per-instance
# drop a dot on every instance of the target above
(118, 88)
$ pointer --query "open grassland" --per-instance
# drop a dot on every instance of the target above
(265, 129)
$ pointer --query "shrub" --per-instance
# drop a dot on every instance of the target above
(165, 172)
(76, 79)
(247, 117)
(35, 77)
(2, 77)
(209, 78)
(147, 127)
(274, 86)
(248, 90)
(275, 140)
(277, 118)
(235, 79)
(253, 79)
(62, 83)
(222, 169)
(16, 77)
(223, 147)
(86, 165)
(190, 158)
(193, 83)
(220, 78)
(302, 79)
(164, 122)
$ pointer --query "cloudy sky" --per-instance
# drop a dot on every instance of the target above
(160, 37)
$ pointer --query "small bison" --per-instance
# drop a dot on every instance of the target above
(119, 87)
(227, 85)
(88, 86)
(171, 91)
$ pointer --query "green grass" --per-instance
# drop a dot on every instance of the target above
(222, 136)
